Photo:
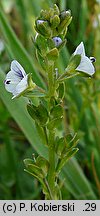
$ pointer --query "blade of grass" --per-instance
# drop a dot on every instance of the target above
(82, 21)
(35, 6)
(76, 181)
(62, 5)
(20, 5)
(12, 160)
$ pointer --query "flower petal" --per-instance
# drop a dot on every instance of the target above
(80, 50)
(18, 69)
(11, 81)
(57, 41)
(86, 66)
(21, 86)
(10, 87)
(12, 76)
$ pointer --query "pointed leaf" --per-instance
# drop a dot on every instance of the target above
(62, 162)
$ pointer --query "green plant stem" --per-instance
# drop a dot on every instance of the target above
(50, 194)
(51, 80)
(51, 174)
(51, 134)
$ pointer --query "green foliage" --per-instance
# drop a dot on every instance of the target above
(39, 114)
(67, 156)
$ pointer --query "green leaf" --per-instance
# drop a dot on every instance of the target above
(28, 161)
(57, 111)
(41, 44)
(65, 20)
(56, 9)
(39, 114)
(41, 60)
(41, 133)
(62, 45)
(55, 20)
(43, 28)
(38, 169)
(66, 144)
(53, 54)
(45, 190)
(60, 145)
(50, 43)
(43, 164)
(73, 63)
(33, 168)
(61, 90)
(54, 123)
(71, 141)
(63, 161)
(18, 51)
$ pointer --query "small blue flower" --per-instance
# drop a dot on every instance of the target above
(57, 41)
(40, 21)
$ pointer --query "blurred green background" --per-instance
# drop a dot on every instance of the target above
(18, 136)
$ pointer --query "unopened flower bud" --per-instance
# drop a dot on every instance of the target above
(44, 15)
(40, 21)
(65, 14)
(56, 9)
(43, 28)
(55, 20)
(65, 20)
